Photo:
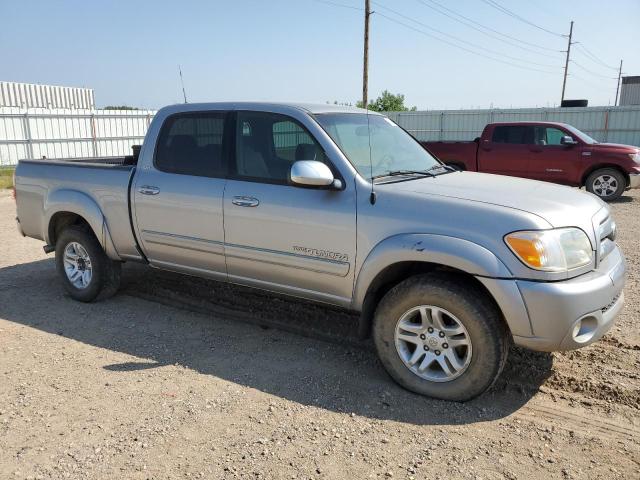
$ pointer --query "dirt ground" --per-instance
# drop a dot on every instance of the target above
(177, 377)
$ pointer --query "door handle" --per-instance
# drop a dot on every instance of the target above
(149, 190)
(242, 201)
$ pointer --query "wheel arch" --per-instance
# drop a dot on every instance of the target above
(601, 166)
(399, 257)
(70, 207)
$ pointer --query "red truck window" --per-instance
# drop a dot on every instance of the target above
(516, 134)
(548, 136)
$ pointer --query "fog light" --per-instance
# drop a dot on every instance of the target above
(585, 329)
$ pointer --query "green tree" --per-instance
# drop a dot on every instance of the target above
(119, 107)
(388, 102)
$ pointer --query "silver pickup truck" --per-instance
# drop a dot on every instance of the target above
(340, 206)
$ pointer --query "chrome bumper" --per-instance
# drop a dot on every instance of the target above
(634, 180)
(572, 313)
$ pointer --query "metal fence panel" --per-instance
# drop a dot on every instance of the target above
(605, 124)
(66, 133)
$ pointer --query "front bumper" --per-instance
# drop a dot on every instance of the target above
(573, 313)
(634, 180)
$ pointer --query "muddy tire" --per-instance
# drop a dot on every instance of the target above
(441, 336)
(607, 183)
(86, 272)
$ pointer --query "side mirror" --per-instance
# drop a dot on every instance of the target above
(311, 173)
(568, 140)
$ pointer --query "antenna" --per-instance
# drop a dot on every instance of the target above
(372, 197)
(184, 94)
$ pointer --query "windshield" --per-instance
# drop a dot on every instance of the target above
(376, 146)
(581, 135)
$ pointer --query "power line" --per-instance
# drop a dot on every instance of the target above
(587, 53)
(469, 22)
(422, 32)
(341, 5)
(591, 71)
(506, 11)
(473, 45)
(588, 82)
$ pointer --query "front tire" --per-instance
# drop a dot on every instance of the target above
(607, 183)
(441, 336)
(86, 271)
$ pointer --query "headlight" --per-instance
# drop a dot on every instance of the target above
(635, 157)
(555, 250)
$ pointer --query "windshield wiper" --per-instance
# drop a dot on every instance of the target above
(396, 173)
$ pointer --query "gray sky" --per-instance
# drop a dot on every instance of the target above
(311, 50)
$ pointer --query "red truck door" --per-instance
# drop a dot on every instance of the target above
(505, 150)
(549, 159)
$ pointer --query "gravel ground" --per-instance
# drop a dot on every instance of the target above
(178, 377)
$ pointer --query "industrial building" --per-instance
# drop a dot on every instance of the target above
(630, 91)
(30, 95)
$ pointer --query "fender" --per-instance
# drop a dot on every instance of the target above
(452, 252)
(80, 203)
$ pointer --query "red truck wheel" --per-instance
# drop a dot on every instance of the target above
(606, 183)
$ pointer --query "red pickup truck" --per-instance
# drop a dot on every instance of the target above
(549, 151)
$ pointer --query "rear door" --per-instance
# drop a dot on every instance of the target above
(178, 199)
(279, 236)
(506, 151)
(549, 159)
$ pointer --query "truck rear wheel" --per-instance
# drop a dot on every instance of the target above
(606, 183)
(440, 337)
(86, 271)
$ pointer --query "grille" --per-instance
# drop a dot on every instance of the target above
(606, 233)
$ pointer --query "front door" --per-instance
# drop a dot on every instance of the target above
(549, 160)
(178, 201)
(287, 238)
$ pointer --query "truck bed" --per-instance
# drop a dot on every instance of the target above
(458, 153)
(43, 186)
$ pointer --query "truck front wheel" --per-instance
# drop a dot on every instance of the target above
(84, 268)
(606, 183)
(441, 337)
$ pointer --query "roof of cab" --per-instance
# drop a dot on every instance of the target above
(311, 108)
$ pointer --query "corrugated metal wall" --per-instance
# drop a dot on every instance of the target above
(630, 91)
(605, 124)
(30, 95)
(62, 133)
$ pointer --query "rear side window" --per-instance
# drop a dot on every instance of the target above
(192, 144)
(517, 134)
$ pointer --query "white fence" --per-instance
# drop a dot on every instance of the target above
(605, 124)
(58, 133)
(64, 133)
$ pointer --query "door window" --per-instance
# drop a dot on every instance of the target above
(267, 144)
(548, 136)
(513, 134)
(192, 144)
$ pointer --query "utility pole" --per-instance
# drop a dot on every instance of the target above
(566, 63)
(365, 66)
(615, 104)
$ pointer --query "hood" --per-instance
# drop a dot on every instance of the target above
(557, 204)
(618, 147)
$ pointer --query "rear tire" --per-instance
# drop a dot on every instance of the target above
(460, 371)
(607, 183)
(87, 273)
